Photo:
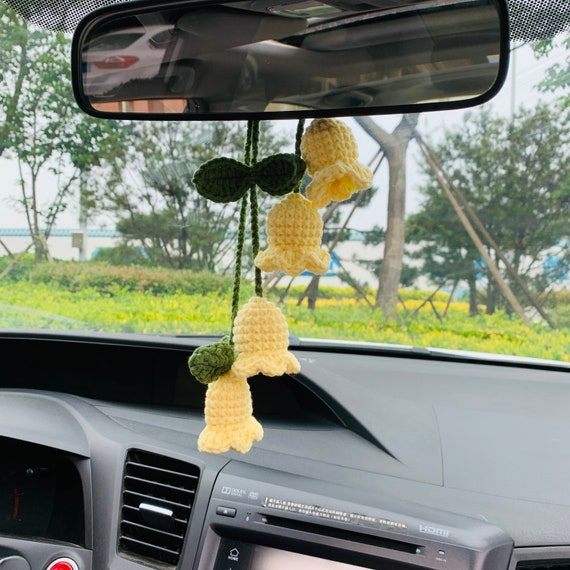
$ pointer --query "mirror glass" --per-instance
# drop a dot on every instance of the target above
(300, 57)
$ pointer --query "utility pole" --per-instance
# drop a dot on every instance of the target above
(82, 217)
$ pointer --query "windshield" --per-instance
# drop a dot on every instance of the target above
(462, 242)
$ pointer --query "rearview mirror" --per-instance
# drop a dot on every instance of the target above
(288, 58)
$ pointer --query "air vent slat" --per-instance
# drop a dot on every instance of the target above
(134, 510)
(164, 486)
(146, 528)
(156, 499)
(161, 470)
(158, 493)
(129, 540)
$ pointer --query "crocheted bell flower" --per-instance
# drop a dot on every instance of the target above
(294, 232)
(229, 417)
(331, 154)
(261, 337)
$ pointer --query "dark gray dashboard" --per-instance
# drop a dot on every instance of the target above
(370, 460)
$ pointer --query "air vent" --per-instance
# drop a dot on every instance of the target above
(158, 494)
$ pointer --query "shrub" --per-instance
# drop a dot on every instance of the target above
(21, 268)
(109, 279)
(557, 305)
(122, 255)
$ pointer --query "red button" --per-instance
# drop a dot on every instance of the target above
(63, 564)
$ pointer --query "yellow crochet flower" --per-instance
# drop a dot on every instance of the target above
(229, 417)
(294, 232)
(330, 151)
(261, 337)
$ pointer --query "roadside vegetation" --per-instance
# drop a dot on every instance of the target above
(96, 296)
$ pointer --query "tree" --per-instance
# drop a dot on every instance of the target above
(557, 77)
(14, 69)
(515, 176)
(41, 125)
(446, 250)
(395, 147)
(157, 204)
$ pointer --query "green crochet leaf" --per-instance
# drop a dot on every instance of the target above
(279, 174)
(226, 180)
(209, 362)
(222, 180)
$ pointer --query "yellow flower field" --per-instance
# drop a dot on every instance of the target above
(40, 306)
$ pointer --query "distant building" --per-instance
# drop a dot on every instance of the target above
(62, 243)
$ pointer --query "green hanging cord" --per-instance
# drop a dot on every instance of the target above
(207, 363)
(298, 137)
(248, 142)
(237, 268)
(240, 235)
(255, 209)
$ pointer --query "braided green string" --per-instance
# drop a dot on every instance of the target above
(240, 235)
(237, 269)
(255, 239)
(298, 137)
(255, 210)
(248, 142)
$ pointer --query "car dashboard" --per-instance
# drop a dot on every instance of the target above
(369, 460)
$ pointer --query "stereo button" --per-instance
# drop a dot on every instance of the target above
(226, 512)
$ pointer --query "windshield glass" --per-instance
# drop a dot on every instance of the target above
(462, 242)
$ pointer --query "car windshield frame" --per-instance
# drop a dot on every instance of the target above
(83, 192)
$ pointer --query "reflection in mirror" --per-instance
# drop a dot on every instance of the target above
(303, 56)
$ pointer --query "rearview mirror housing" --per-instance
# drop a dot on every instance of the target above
(271, 59)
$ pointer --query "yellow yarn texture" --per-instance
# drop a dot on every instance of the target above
(294, 233)
(229, 417)
(261, 337)
(331, 154)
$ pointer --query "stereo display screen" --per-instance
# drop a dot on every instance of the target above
(238, 555)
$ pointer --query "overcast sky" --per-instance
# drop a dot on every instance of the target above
(528, 73)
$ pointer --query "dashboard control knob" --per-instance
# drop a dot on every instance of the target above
(62, 564)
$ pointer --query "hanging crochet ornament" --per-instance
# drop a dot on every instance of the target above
(331, 154)
(260, 331)
(229, 411)
(259, 334)
(261, 339)
(294, 234)
(229, 417)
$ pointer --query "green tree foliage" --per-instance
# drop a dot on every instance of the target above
(557, 76)
(156, 202)
(41, 126)
(515, 174)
